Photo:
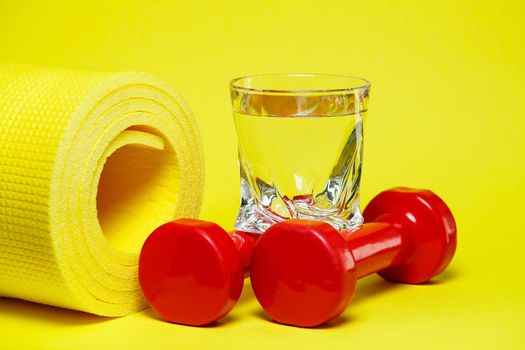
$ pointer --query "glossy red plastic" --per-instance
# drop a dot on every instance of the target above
(427, 227)
(303, 273)
(244, 243)
(192, 271)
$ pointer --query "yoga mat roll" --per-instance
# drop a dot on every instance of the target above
(91, 163)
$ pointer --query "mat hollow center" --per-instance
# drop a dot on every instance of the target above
(137, 192)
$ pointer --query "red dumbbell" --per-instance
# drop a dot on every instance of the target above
(192, 271)
(303, 273)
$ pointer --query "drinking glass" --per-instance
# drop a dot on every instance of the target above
(300, 140)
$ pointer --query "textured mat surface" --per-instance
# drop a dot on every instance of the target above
(90, 164)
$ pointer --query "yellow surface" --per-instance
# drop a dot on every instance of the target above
(446, 112)
(84, 156)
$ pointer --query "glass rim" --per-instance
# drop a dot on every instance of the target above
(364, 86)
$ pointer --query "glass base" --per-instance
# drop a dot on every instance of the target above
(254, 219)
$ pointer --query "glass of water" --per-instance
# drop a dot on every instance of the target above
(300, 142)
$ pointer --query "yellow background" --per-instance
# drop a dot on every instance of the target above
(447, 112)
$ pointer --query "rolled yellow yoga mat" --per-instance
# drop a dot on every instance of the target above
(90, 164)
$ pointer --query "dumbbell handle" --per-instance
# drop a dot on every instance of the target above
(244, 243)
(376, 246)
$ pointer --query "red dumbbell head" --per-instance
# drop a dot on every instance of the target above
(190, 272)
(426, 221)
(301, 272)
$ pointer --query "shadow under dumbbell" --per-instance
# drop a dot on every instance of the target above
(331, 324)
(370, 286)
(227, 319)
(375, 285)
(443, 277)
(337, 322)
(366, 289)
